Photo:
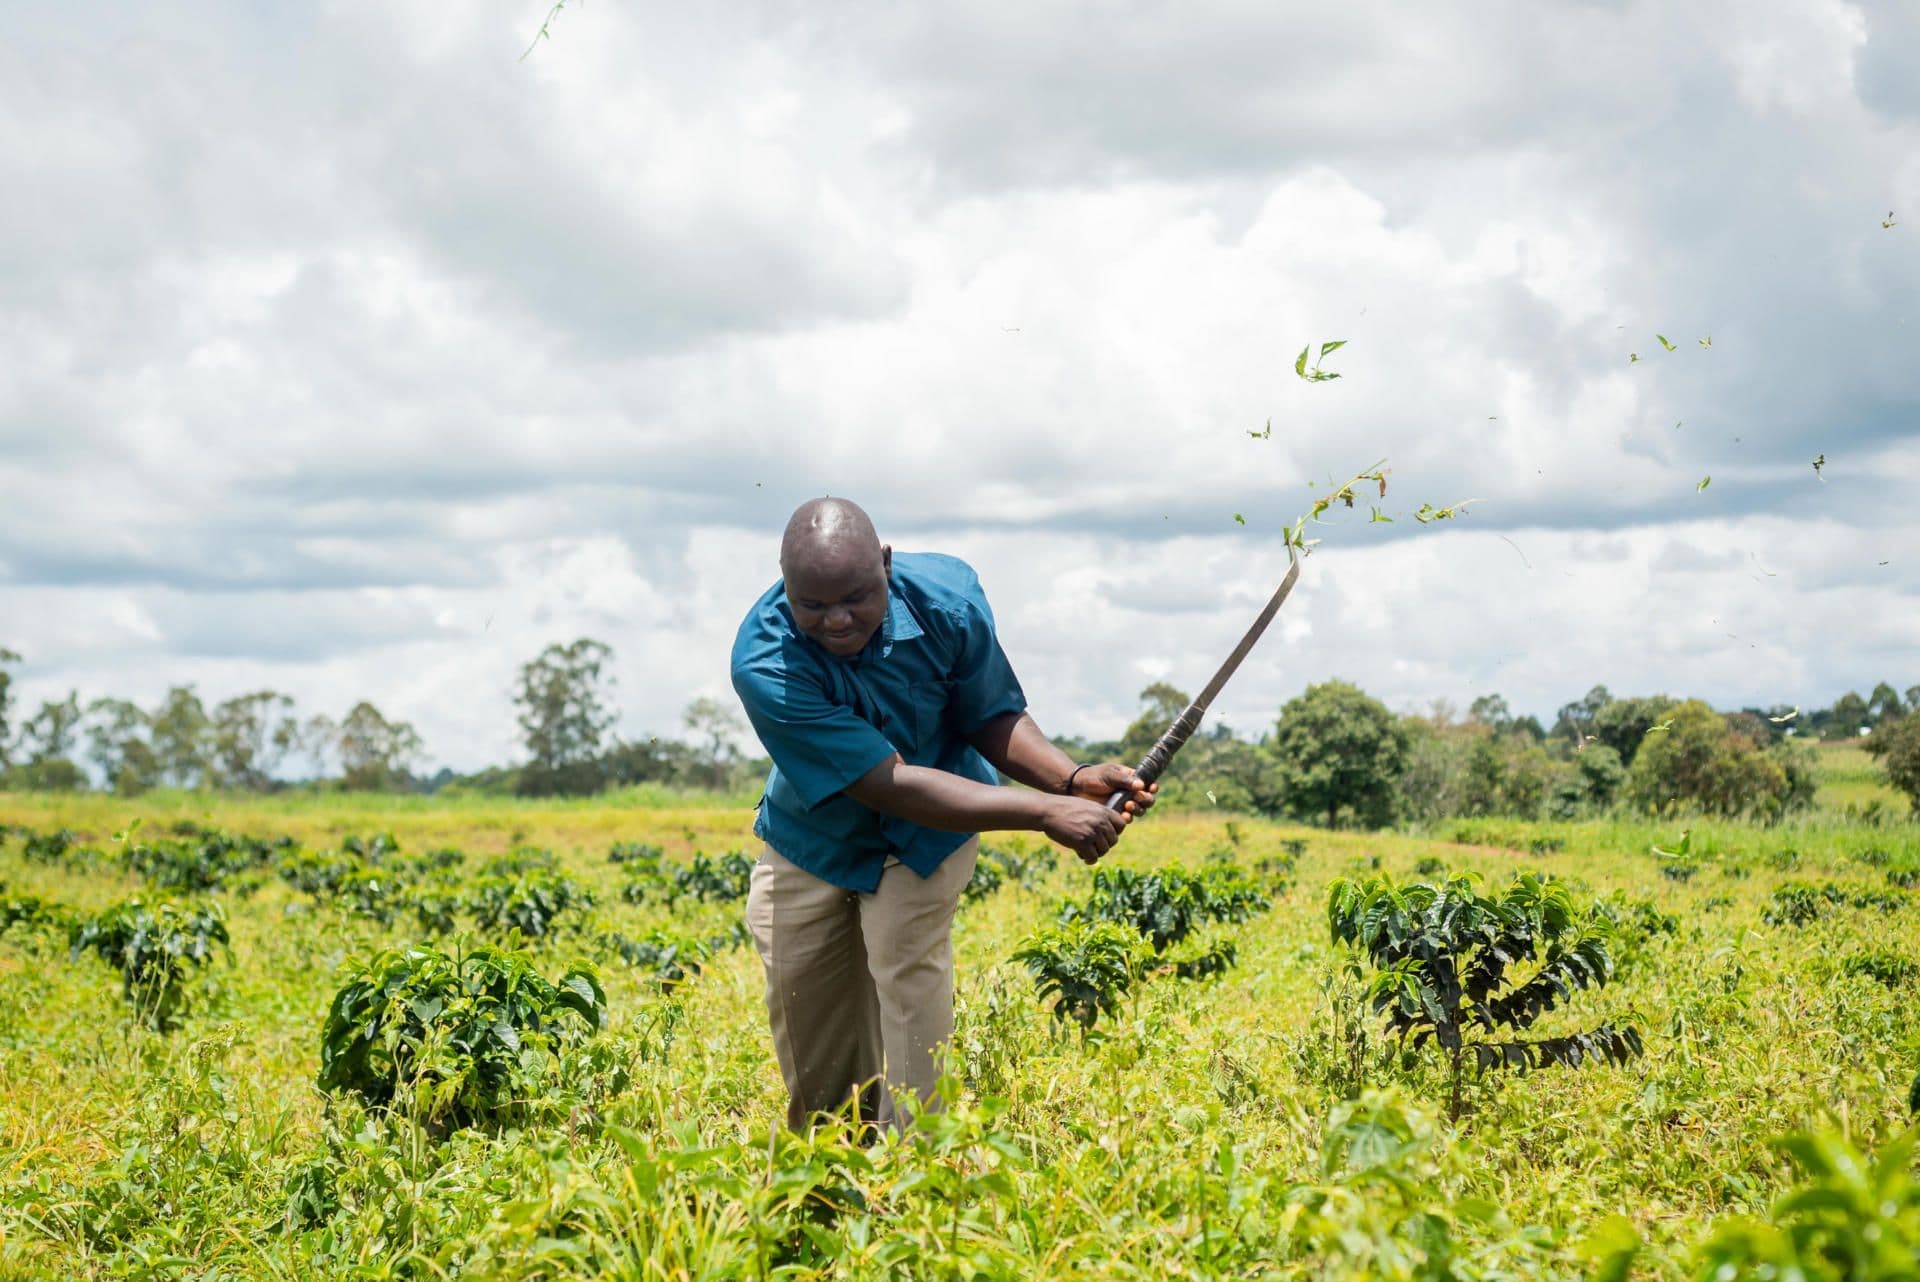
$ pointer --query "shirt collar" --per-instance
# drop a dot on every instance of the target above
(899, 625)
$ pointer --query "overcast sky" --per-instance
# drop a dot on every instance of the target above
(345, 352)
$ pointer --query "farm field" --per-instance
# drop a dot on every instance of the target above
(1249, 1124)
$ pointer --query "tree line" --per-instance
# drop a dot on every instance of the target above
(259, 742)
(1335, 755)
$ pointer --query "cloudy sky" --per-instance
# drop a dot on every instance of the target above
(346, 352)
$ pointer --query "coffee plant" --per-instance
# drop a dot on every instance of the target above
(532, 903)
(723, 880)
(671, 957)
(1443, 959)
(1084, 966)
(1796, 903)
(1881, 966)
(1166, 906)
(156, 947)
(638, 853)
(472, 1037)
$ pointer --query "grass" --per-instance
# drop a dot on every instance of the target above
(1199, 1134)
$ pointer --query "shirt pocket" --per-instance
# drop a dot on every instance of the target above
(931, 727)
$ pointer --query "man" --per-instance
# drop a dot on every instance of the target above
(879, 689)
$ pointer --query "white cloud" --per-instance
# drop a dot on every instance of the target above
(347, 354)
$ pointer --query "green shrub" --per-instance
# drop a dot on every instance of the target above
(722, 880)
(1167, 905)
(467, 1038)
(1882, 967)
(156, 947)
(1084, 966)
(532, 902)
(1853, 1218)
(1443, 955)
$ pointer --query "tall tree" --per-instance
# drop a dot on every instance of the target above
(1338, 750)
(251, 734)
(117, 731)
(1884, 704)
(717, 727)
(7, 659)
(375, 753)
(50, 734)
(180, 734)
(1848, 715)
(1160, 703)
(565, 714)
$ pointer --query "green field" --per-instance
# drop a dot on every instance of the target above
(1207, 1129)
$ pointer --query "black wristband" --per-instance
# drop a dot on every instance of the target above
(1066, 788)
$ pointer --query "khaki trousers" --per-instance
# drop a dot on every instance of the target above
(859, 987)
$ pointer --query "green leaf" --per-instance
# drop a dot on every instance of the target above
(1300, 364)
(1334, 346)
(1704, 482)
(1241, 519)
(1663, 341)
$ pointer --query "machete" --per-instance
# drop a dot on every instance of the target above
(1188, 721)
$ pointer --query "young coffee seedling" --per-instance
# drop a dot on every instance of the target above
(1084, 966)
(1444, 961)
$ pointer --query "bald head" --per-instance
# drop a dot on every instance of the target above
(828, 530)
(836, 569)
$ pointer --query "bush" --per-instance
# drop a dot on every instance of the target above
(1897, 745)
(156, 947)
(532, 903)
(460, 1039)
(1084, 966)
(1442, 956)
(1700, 761)
(1165, 906)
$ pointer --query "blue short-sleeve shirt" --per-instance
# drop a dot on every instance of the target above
(931, 674)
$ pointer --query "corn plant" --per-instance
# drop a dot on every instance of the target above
(1444, 958)
(156, 947)
(464, 1038)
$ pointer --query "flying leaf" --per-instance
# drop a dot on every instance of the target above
(1663, 341)
(1210, 797)
(1334, 346)
(1300, 363)
(1264, 434)
(1788, 717)
(1681, 849)
(1705, 481)
(1632, 357)
(1659, 726)
(1379, 517)
(1818, 463)
(1241, 519)
(1888, 220)
(1429, 513)
(1707, 341)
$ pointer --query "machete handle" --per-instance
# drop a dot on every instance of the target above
(1162, 752)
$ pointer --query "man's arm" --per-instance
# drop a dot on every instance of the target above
(1017, 747)
(950, 803)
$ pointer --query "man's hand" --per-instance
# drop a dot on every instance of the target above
(1082, 825)
(1099, 782)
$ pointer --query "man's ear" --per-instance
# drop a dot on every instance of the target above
(886, 559)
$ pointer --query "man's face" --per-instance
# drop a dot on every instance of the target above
(840, 600)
